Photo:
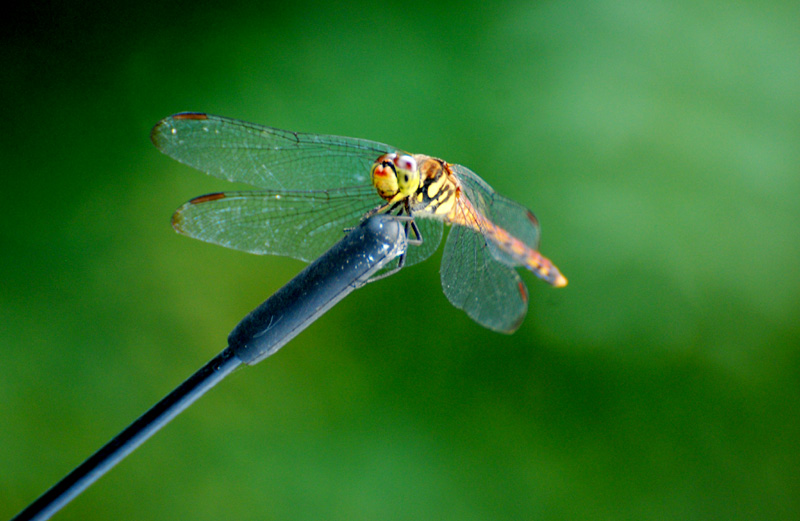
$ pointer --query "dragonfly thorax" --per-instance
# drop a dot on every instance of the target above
(395, 176)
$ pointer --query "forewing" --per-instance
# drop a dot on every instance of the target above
(266, 157)
(302, 225)
(490, 292)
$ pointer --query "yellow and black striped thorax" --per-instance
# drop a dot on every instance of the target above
(438, 188)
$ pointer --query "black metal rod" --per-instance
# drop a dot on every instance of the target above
(343, 268)
(346, 266)
(128, 440)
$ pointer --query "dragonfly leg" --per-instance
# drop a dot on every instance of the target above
(378, 209)
(401, 261)
(418, 241)
(409, 225)
(386, 274)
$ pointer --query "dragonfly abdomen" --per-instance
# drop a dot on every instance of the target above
(540, 265)
(439, 195)
(464, 214)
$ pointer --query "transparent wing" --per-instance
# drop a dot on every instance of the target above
(490, 292)
(266, 157)
(302, 225)
(431, 232)
(512, 217)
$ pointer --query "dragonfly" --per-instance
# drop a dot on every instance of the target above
(314, 187)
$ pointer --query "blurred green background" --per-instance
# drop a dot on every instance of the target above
(657, 142)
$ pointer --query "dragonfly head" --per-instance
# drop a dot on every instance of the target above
(395, 176)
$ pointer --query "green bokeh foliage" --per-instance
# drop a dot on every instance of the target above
(658, 143)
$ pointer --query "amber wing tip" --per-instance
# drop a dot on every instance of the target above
(560, 281)
(177, 220)
(189, 115)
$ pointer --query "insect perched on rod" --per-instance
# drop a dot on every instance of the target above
(315, 186)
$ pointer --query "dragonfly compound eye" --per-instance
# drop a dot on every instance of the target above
(406, 162)
(407, 174)
(384, 176)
